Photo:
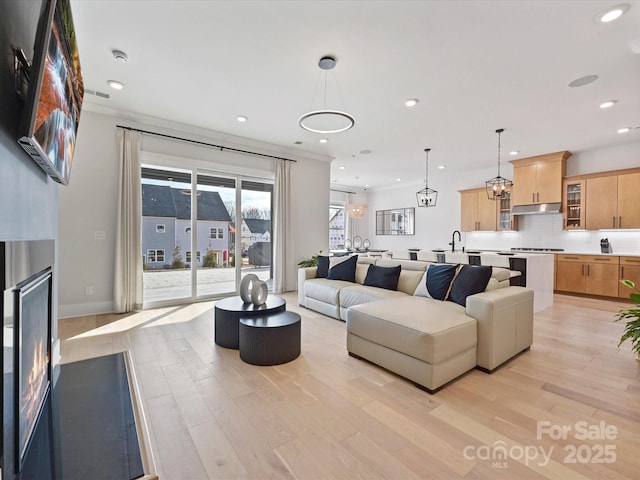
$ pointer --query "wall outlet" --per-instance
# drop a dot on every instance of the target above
(99, 235)
(88, 291)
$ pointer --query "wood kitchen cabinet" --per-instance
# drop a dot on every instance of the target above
(506, 221)
(478, 213)
(539, 179)
(574, 204)
(628, 205)
(590, 274)
(629, 270)
(612, 201)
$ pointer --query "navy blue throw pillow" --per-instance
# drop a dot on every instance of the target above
(436, 281)
(323, 266)
(344, 270)
(383, 277)
(439, 277)
(470, 280)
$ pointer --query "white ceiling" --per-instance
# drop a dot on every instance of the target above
(474, 65)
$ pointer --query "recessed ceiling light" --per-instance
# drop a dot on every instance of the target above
(298, 142)
(441, 167)
(398, 179)
(624, 130)
(412, 102)
(241, 118)
(365, 152)
(582, 81)
(608, 103)
(116, 85)
(613, 13)
(324, 140)
(366, 186)
(341, 167)
(514, 152)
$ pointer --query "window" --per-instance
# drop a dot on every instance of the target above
(155, 255)
(160, 228)
(336, 227)
(223, 198)
(197, 256)
(217, 233)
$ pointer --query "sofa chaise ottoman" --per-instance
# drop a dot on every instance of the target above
(429, 350)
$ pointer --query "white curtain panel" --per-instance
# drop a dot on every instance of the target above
(284, 272)
(127, 291)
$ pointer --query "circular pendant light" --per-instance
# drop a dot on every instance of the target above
(326, 120)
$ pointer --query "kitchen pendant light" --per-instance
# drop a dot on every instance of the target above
(427, 197)
(326, 120)
(498, 187)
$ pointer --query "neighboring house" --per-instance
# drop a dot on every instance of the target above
(336, 228)
(255, 230)
(166, 223)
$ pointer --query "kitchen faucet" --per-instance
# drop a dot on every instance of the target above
(453, 239)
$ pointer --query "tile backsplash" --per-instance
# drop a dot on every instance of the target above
(545, 231)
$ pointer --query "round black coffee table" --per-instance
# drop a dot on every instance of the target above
(270, 340)
(228, 312)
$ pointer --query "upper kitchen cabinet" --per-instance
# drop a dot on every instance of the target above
(538, 179)
(574, 204)
(478, 213)
(611, 200)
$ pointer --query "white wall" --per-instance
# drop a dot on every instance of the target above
(434, 225)
(88, 205)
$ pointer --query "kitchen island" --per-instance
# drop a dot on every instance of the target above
(537, 271)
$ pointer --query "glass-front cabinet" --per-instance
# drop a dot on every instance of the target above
(573, 194)
(506, 221)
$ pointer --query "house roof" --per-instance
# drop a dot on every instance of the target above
(258, 225)
(157, 201)
(164, 201)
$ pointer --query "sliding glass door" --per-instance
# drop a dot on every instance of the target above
(199, 246)
(256, 230)
(166, 229)
(215, 245)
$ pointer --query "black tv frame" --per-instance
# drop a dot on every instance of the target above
(50, 142)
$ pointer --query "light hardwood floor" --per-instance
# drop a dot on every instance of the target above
(327, 415)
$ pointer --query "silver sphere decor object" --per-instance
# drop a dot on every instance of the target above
(253, 290)
(245, 291)
(259, 293)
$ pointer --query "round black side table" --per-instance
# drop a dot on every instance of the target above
(270, 340)
(228, 312)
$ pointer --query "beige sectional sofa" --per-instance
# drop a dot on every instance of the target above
(427, 341)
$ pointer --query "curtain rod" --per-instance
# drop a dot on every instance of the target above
(341, 191)
(213, 145)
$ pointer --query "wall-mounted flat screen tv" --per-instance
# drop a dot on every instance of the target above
(56, 90)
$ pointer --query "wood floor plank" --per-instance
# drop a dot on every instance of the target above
(330, 416)
(421, 437)
(487, 437)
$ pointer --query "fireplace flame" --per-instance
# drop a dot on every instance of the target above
(35, 384)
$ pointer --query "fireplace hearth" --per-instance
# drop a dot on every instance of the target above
(26, 278)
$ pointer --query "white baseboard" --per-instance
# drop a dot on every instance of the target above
(84, 309)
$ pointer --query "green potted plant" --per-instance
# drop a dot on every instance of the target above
(632, 317)
(309, 262)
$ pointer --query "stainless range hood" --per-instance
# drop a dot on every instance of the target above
(536, 209)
